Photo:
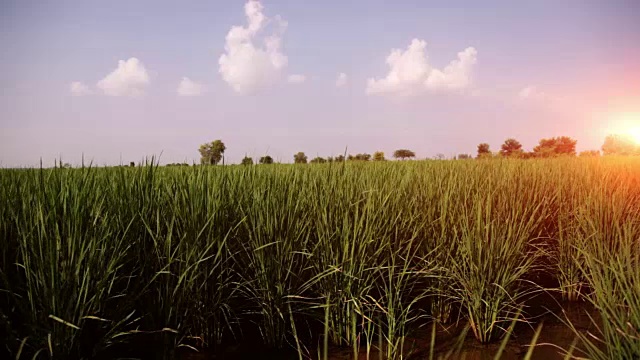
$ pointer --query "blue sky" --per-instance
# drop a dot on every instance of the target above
(478, 71)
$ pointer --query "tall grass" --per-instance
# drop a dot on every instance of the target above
(149, 260)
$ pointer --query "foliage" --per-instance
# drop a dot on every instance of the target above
(403, 154)
(246, 161)
(266, 160)
(555, 146)
(590, 153)
(138, 262)
(620, 145)
(318, 160)
(483, 150)
(378, 156)
(300, 158)
(511, 147)
(211, 153)
(464, 156)
(359, 157)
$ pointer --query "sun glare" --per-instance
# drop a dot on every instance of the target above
(634, 133)
(628, 125)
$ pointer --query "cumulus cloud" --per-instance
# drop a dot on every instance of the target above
(129, 79)
(531, 92)
(249, 64)
(410, 72)
(341, 80)
(296, 79)
(188, 87)
(79, 89)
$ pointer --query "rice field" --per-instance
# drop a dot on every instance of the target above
(310, 260)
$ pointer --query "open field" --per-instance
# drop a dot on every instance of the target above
(344, 259)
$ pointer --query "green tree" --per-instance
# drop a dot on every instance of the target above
(339, 158)
(266, 160)
(483, 151)
(511, 147)
(403, 154)
(300, 158)
(247, 161)
(378, 156)
(318, 160)
(620, 145)
(211, 153)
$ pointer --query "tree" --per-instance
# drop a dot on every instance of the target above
(511, 147)
(300, 158)
(555, 146)
(132, 164)
(339, 158)
(483, 151)
(266, 160)
(403, 154)
(378, 156)
(619, 145)
(439, 156)
(211, 153)
(247, 161)
(590, 153)
(359, 157)
(318, 160)
(464, 156)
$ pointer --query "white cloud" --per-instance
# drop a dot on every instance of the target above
(531, 92)
(296, 79)
(188, 87)
(410, 72)
(79, 89)
(341, 80)
(246, 64)
(129, 79)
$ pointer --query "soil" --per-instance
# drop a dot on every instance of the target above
(555, 338)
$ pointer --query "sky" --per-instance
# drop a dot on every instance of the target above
(119, 81)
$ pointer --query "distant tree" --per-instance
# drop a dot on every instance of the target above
(350, 157)
(566, 145)
(362, 157)
(247, 161)
(590, 153)
(555, 146)
(330, 159)
(318, 160)
(464, 157)
(511, 147)
(378, 156)
(266, 160)
(403, 154)
(132, 164)
(619, 145)
(483, 151)
(300, 158)
(439, 156)
(339, 158)
(211, 153)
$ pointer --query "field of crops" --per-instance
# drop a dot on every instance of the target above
(149, 261)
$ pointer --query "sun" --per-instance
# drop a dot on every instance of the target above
(626, 124)
(634, 133)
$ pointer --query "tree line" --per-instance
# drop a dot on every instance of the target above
(213, 153)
